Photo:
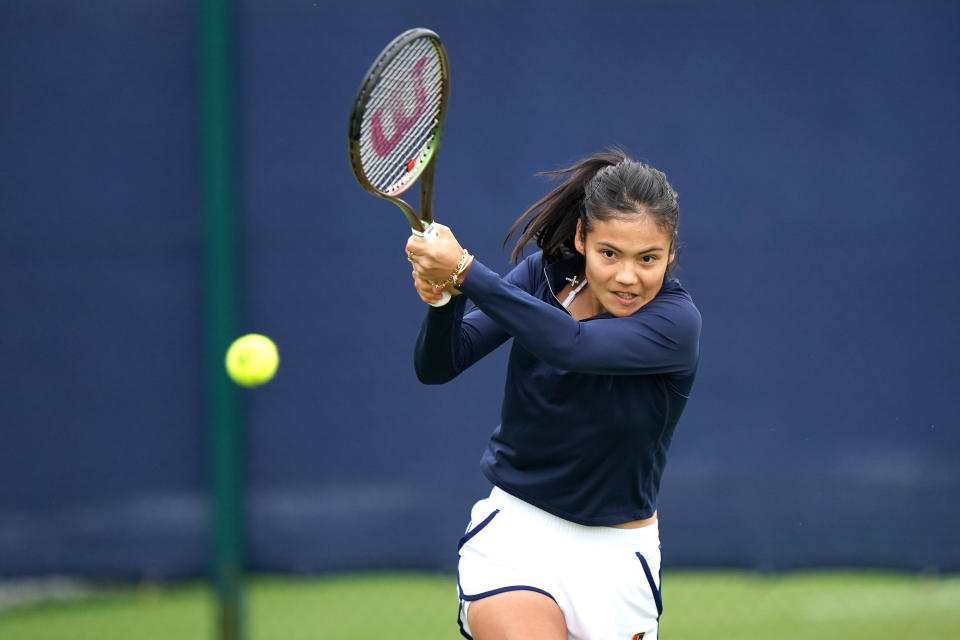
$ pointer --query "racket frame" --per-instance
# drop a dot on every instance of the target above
(424, 169)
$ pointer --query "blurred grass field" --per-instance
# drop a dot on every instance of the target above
(719, 605)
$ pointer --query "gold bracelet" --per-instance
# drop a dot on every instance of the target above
(465, 260)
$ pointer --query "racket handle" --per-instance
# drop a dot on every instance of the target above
(429, 234)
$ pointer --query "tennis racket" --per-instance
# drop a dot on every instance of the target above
(396, 122)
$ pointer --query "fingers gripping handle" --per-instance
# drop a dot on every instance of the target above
(429, 234)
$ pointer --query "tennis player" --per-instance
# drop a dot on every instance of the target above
(604, 354)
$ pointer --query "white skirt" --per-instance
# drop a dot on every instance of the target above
(605, 580)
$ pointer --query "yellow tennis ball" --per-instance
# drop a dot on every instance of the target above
(252, 360)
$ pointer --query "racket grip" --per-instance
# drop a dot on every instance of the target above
(429, 234)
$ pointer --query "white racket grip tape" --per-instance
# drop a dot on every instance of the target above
(429, 234)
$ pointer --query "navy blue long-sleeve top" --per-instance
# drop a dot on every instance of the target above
(589, 407)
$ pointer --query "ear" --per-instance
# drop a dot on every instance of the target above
(578, 240)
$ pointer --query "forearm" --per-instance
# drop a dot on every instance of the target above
(434, 355)
(541, 328)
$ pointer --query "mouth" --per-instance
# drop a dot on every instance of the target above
(625, 298)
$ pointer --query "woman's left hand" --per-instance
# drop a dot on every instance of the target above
(436, 260)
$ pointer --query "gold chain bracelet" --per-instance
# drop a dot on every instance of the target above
(454, 278)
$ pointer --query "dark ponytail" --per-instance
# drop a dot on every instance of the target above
(604, 186)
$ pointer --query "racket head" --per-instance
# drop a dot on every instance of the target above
(398, 114)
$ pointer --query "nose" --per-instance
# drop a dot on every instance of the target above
(627, 274)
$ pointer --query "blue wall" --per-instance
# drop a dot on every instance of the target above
(814, 149)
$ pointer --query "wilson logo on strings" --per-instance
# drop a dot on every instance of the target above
(402, 121)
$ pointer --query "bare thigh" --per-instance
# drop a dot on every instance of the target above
(516, 615)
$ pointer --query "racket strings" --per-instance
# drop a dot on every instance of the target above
(401, 116)
(392, 172)
(385, 155)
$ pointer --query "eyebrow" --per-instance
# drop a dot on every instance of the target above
(639, 253)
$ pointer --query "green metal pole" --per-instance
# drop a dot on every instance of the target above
(222, 283)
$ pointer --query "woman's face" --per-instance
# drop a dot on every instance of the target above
(626, 259)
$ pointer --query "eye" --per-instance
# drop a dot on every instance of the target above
(608, 253)
(648, 259)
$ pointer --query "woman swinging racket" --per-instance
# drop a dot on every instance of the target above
(605, 350)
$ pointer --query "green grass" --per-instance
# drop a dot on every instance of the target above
(699, 605)
(805, 605)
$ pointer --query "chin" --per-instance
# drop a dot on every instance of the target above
(620, 311)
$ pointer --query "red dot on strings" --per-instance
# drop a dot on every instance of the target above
(411, 165)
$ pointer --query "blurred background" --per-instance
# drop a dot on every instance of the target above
(813, 145)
